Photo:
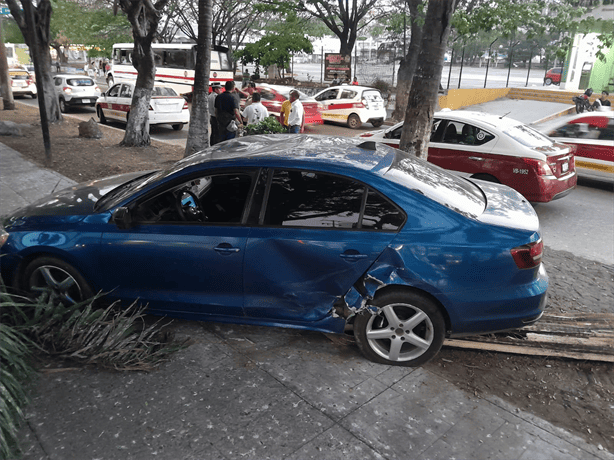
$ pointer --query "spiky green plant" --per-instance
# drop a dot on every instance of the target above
(15, 369)
(267, 126)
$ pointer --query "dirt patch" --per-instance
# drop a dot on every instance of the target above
(82, 159)
(575, 395)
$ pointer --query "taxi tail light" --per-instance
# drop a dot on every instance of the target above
(67, 90)
(185, 105)
(528, 255)
(97, 89)
(539, 166)
(29, 81)
(366, 135)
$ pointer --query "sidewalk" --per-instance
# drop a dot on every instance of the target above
(251, 392)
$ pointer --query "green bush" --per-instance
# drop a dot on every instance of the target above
(383, 86)
(267, 126)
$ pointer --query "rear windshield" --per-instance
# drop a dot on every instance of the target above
(80, 82)
(372, 95)
(163, 91)
(528, 136)
(20, 76)
(439, 185)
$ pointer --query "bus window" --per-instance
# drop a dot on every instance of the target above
(176, 59)
(215, 60)
(225, 62)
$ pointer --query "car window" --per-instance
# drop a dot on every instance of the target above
(163, 91)
(114, 91)
(381, 214)
(126, 91)
(457, 132)
(80, 82)
(19, 75)
(328, 95)
(347, 94)
(315, 200)
(437, 184)
(372, 95)
(527, 136)
(266, 94)
(211, 199)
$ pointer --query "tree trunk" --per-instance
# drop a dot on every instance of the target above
(198, 135)
(407, 67)
(37, 38)
(144, 17)
(425, 85)
(5, 86)
(137, 129)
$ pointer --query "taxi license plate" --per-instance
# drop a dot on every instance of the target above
(565, 167)
(86, 101)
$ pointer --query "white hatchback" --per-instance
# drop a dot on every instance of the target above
(165, 107)
(75, 91)
(353, 105)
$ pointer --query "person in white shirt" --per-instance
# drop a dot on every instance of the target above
(255, 112)
(297, 112)
(216, 88)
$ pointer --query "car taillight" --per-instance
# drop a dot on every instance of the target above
(366, 135)
(150, 107)
(29, 81)
(67, 90)
(541, 167)
(97, 89)
(185, 105)
(528, 255)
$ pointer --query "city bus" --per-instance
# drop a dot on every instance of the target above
(175, 63)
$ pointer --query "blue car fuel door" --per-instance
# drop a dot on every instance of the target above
(317, 235)
(183, 251)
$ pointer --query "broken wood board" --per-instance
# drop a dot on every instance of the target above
(580, 336)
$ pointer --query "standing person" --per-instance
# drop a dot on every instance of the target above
(226, 111)
(355, 81)
(297, 112)
(255, 112)
(216, 88)
(335, 81)
(284, 113)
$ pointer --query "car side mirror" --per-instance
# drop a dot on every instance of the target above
(122, 218)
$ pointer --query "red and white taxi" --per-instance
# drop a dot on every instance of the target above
(496, 149)
(353, 105)
(165, 107)
(273, 96)
(592, 134)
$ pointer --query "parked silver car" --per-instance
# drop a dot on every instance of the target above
(76, 90)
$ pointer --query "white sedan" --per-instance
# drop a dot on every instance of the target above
(496, 149)
(353, 105)
(165, 107)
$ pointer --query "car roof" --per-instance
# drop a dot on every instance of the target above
(305, 148)
(497, 121)
(73, 75)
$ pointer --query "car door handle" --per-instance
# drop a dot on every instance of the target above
(225, 249)
(476, 158)
(352, 256)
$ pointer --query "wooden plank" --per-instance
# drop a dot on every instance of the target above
(524, 350)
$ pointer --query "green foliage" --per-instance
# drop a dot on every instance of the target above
(267, 126)
(15, 370)
(277, 47)
(11, 32)
(383, 86)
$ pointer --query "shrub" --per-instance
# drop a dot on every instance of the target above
(383, 86)
(267, 126)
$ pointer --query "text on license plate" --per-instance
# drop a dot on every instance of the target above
(565, 167)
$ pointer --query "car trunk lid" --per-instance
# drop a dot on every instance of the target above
(167, 104)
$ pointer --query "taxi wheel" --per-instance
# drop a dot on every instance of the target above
(354, 121)
(486, 177)
(62, 106)
(378, 123)
(101, 117)
(178, 126)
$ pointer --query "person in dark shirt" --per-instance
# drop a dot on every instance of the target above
(602, 101)
(226, 111)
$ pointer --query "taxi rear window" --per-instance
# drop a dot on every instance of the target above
(20, 75)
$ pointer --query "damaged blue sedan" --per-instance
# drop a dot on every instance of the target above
(324, 234)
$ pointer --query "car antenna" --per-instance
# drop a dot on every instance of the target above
(505, 115)
(367, 145)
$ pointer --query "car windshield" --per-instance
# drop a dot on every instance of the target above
(118, 194)
(163, 91)
(80, 82)
(439, 185)
(527, 136)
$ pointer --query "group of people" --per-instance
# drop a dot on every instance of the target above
(337, 81)
(227, 118)
(96, 68)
